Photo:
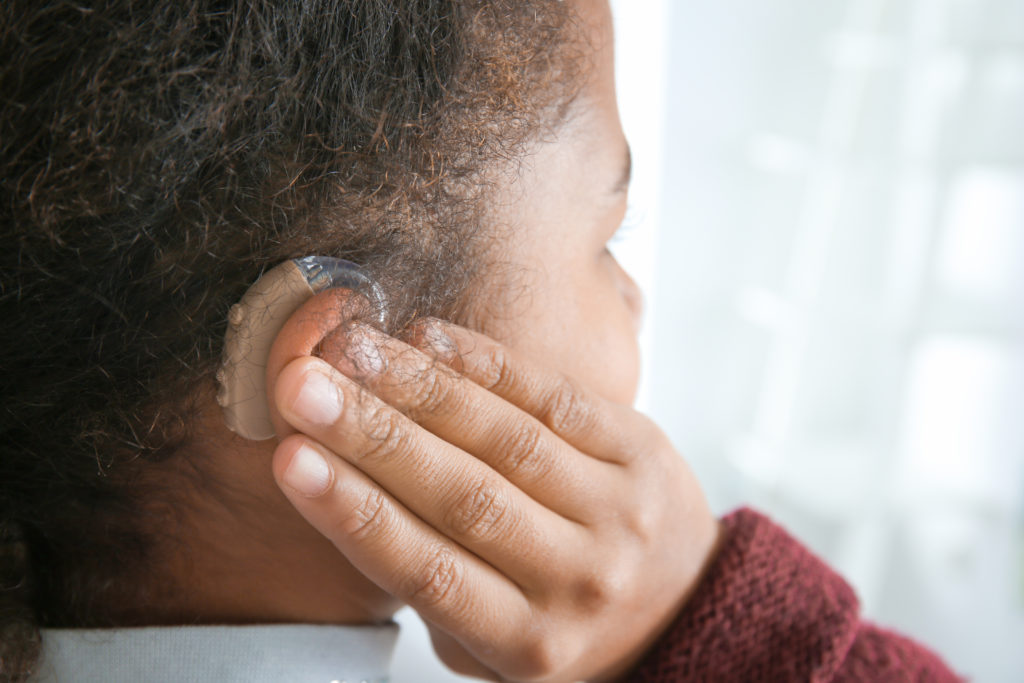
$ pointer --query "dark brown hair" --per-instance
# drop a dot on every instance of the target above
(155, 158)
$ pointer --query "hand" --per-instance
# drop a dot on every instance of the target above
(541, 532)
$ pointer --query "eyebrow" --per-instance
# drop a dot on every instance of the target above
(622, 184)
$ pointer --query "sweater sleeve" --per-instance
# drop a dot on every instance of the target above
(769, 610)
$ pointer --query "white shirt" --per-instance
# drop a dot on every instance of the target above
(225, 654)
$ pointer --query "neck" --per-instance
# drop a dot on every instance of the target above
(240, 553)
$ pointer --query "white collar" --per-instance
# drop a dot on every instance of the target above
(225, 654)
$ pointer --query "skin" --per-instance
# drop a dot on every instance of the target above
(573, 307)
(496, 480)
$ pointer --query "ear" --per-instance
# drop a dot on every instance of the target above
(303, 332)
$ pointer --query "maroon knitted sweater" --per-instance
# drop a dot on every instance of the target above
(769, 610)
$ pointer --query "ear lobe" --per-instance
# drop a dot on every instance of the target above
(317, 318)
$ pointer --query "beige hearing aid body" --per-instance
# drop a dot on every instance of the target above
(254, 323)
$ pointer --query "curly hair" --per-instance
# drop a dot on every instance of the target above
(155, 158)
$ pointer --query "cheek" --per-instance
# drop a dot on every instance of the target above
(608, 354)
(610, 357)
(586, 332)
(631, 295)
(570, 313)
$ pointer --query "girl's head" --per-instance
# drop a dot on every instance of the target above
(153, 161)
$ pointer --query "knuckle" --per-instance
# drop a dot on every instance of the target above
(521, 452)
(440, 580)
(497, 370)
(432, 393)
(370, 518)
(482, 513)
(541, 657)
(568, 412)
(384, 434)
(644, 523)
(594, 592)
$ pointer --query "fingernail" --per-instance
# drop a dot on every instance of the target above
(319, 401)
(308, 472)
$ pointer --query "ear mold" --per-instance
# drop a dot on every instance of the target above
(255, 321)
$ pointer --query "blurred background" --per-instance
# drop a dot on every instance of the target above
(828, 222)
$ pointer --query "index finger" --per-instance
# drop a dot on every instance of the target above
(580, 417)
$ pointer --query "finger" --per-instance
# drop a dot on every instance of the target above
(455, 656)
(479, 422)
(455, 493)
(583, 419)
(447, 585)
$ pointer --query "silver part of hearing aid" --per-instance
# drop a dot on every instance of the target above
(255, 321)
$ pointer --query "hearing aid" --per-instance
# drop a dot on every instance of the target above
(255, 321)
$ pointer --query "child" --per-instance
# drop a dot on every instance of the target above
(468, 155)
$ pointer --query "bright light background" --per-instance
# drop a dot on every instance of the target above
(829, 226)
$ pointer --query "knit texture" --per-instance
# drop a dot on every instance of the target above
(769, 610)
